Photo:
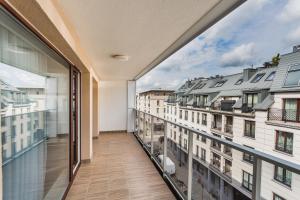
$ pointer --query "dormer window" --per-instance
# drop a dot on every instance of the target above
(239, 82)
(257, 77)
(219, 83)
(271, 76)
(293, 76)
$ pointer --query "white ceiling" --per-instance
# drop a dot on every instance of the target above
(146, 30)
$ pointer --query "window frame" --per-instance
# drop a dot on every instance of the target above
(287, 73)
(272, 75)
(284, 176)
(249, 177)
(252, 127)
(284, 150)
(258, 77)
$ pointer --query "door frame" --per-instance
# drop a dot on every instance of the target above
(73, 170)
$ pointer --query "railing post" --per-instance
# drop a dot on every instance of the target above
(152, 132)
(256, 189)
(165, 146)
(144, 128)
(138, 123)
(190, 165)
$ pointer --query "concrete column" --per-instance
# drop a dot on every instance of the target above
(221, 192)
(86, 117)
(208, 180)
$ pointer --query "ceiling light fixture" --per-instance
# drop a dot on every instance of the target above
(120, 57)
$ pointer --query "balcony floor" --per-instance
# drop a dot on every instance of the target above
(120, 170)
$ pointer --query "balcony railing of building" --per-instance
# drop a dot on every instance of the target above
(21, 133)
(224, 105)
(217, 125)
(286, 115)
(181, 177)
(228, 128)
(246, 109)
(198, 105)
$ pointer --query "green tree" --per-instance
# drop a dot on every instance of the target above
(275, 60)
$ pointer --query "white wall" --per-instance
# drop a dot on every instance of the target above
(113, 105)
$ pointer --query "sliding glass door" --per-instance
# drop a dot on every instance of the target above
(40, 116)
(75, 117)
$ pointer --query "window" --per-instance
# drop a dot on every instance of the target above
(203, 139)
(203, 154)
(157, 110)
(219, 83)
(239, 82)
(157, 102)
(284, 142)
(248, 157)
(197, 151)
(185, 143)
(257, 77)
(201, 85)
(21, 128)
(283, 176)
(192, 116)
(271, 76)
(198, 118)
(3, 120)
(277, 197)
(180, 114)
(293, 76)
(175, 135)
(247, 181)
(3, 135)
(291, 110)
(204, 119)
(249, 129)
(251, 99)
(186, 117)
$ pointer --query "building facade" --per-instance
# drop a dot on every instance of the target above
(258, 108)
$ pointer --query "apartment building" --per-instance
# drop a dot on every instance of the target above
(22, 122)
(257, 108)
(152, 102)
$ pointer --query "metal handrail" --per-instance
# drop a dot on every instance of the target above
(293, 167)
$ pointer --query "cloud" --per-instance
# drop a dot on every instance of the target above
(239, 56)
(293, 36)
(290, 12)
(248, 35)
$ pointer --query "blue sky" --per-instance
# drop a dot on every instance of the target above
(250, 35)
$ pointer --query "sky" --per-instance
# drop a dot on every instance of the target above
(20, 78)
(249, 36)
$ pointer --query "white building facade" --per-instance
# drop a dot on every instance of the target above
(258, 108)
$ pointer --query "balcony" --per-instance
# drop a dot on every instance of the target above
(216, 125)
(227, 171)
(228, 128)
(284, 117)
(182, 159)
(224, 105)
(246, 109)
(121, 170)
(215, 163)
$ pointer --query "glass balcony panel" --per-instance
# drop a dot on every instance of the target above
(177, 162)
(158, 140)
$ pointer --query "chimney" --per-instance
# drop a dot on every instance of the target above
(248, 73)
(296, 48)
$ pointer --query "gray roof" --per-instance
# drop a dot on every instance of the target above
(285, 62)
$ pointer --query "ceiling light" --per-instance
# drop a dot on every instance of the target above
(120, 57)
